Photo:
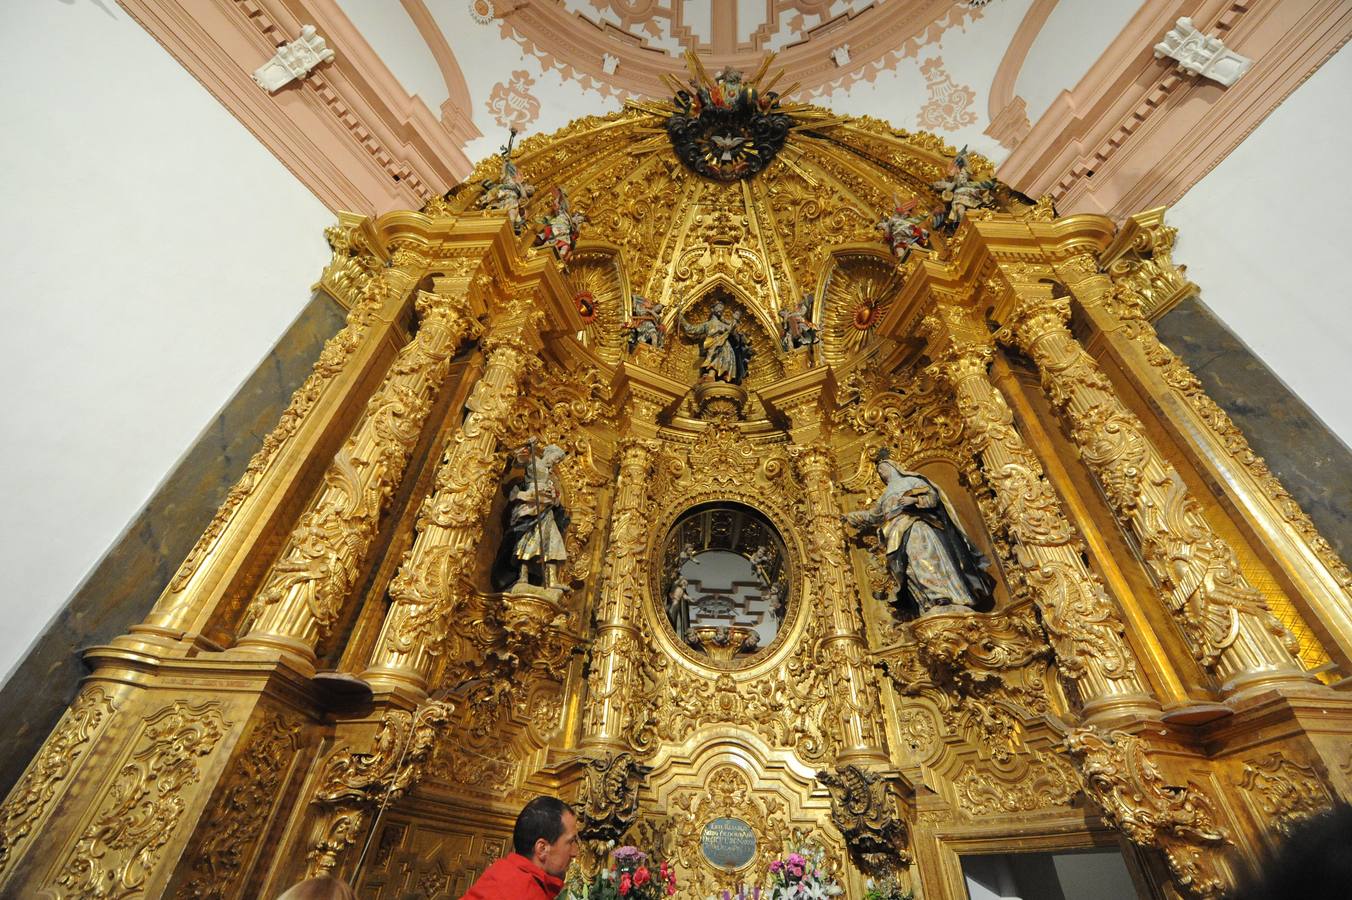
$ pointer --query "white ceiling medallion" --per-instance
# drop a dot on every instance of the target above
(1198, 54)
(292, 61)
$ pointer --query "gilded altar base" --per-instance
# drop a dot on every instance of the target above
(329, 683)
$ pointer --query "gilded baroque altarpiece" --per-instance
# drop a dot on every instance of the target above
(330, 684)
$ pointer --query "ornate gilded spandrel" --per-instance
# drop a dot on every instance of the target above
(121, 846)
(1282, 793)
(237, 821)
(30, 801)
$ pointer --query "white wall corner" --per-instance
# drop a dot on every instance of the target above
(294, 60)
(1198, 54)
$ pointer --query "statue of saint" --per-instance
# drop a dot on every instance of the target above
(960, 193)
(645, 324)
(726, 351)
(532, 540)
(678, 606)
(927, 553)
(508, 193)
(796, 327)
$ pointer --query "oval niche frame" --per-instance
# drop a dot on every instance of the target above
(790, 626)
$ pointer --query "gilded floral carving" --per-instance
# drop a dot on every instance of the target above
(31, 799)
(237, 820)
(117, 853)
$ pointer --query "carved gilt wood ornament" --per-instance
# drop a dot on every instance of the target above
(708, 666)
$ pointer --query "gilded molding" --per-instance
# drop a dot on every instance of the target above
(1126, 784)
(61, 756)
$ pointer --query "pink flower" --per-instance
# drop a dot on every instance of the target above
(642, 876)
(776, 867)
(625, 884)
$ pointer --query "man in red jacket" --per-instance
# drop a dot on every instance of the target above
(545, 841)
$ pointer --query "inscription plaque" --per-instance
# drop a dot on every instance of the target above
(728, 843)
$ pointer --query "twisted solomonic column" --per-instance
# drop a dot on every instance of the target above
(844, 650)
(1084, 625)
(430, 583)
(305, 592)
(614, 676)
(1224, 620)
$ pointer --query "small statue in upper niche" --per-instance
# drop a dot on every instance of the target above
(934, 564)
(561, 226)
(532, 540)
(645, 324)
(904, 229)
(726, 352)
(678, 606)
(960, 193)
(796, 328)
(509, 193)
(761, 559)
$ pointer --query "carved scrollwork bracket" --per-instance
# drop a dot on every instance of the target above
(866, 807)
(607, 798)
(355, 782)
(1135, 798)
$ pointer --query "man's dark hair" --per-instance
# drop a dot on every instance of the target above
(542, 818)
(1314, 863)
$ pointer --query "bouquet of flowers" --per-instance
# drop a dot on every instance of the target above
(629, 877)
(800, 876)
(885, 889)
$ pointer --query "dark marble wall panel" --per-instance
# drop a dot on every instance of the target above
(125, 583)
(1313, 464)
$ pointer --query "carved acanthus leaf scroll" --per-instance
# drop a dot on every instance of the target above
(607, 801)
(865, 807)
(353, 782)
(1179, 820)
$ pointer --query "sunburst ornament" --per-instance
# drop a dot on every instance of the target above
(729, 127)
(586, 306)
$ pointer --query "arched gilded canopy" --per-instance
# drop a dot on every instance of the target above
(806, 224)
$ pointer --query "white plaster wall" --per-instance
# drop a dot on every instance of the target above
(1263, 235)
(154, 251)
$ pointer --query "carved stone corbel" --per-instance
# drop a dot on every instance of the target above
(866, 807)
(1134, 797)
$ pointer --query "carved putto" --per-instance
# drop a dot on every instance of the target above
(903, 229)
(645, 323)
(796, 328)
(560, 226)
